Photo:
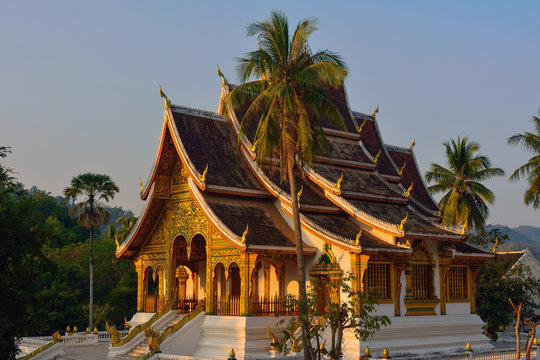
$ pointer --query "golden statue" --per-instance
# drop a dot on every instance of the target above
(296, 344)
(115, 335)
(127, 325)
(375, 112)
(275, 340)
(56, 336)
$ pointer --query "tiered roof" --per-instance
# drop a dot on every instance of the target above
(236, 192)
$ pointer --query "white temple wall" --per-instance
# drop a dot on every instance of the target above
(290, 278)
(458, 308)
(274, 283)
(433, 247)
(385, 309)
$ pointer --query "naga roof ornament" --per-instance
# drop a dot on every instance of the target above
(167, 102)
(376, 158)
(412, 144)
(244, 234)
(359, 128)
(400, 172)
(338, 184)
(402, 223)
(374, 114)
(408, 192)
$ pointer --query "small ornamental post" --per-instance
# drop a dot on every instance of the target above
(367, 353)
(232, 355)
(535, 347)
(468, 349)
(385, 354)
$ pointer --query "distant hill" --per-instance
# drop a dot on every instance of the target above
(521, 237)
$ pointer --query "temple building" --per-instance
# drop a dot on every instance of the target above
(217, 226)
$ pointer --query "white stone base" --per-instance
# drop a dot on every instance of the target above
(140, 318)
(423, 335)
(246, 335)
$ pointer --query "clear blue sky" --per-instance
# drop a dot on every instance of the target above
(79, 80)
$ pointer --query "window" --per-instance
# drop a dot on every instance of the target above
(421, 281)
(378, 279)
(457, 283)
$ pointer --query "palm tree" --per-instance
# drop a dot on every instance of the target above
(531, 169)
(465, 198)
(285, 81)
(122, 231)
(91, 213)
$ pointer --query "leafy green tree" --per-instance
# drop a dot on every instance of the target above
(531, 169)
(91, 214)
(285, 83)
(496, 283)
(350, 310)
(23, 232)
(465, 198)
(126, 224)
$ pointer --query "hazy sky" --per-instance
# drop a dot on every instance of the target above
(79, 81)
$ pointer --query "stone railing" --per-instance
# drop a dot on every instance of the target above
(80, 339)
(140, 328)
(105, 336)
(510, 337)
(48, 351)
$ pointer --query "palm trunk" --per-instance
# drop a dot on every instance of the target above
(303, 308)
(91, 307)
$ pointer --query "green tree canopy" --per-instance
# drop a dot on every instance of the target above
(94, 188)
(531, 169)
(465, 197)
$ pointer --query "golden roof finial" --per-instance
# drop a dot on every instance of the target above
(167, 102)
(464, 227)
(367, 352)
(402, 223)
(408, 192)
(494, 248)
(468, 346)
(359, 128)
(338, 184)
(245, 234)
(400, 172)
(203, 176)
(141, 184)
(376, 158)
(357, 240)
(412, 144)
(374, 113)
(299, 194)
(220, 74)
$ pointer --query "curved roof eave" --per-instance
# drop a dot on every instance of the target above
(146, 187)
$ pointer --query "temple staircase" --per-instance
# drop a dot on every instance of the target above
(138, 345)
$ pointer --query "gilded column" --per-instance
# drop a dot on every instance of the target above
(266, 269)
(398, 270)
(473, 273)
(445, 258)
(140, 284)
(359, 264)
(210, 289)
(247, 265)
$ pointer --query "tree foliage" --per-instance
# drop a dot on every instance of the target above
(465, 198)
(488, 238)
(531, 169)
(496, 283)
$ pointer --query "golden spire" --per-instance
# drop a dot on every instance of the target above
(357, 240)
(402, 223)
(95, 330)
(468, 346)
(220, 74)
(408, 192)
(232, 354)
(400, 172)
(374, 114)
(141, 184)
(68, 329)
(412, 144)
(338, 184)
(385, 353)
(299, 194)
(245, 234)
(88, 330)
(359, 128)
(203, 176)
(167, 102)
(535, 342)
(75, 329)
(376, 158)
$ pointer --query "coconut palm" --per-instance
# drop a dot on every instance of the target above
(531, 169)
(91, 213)
(125, 226)
(284, 82)
(465, 198)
